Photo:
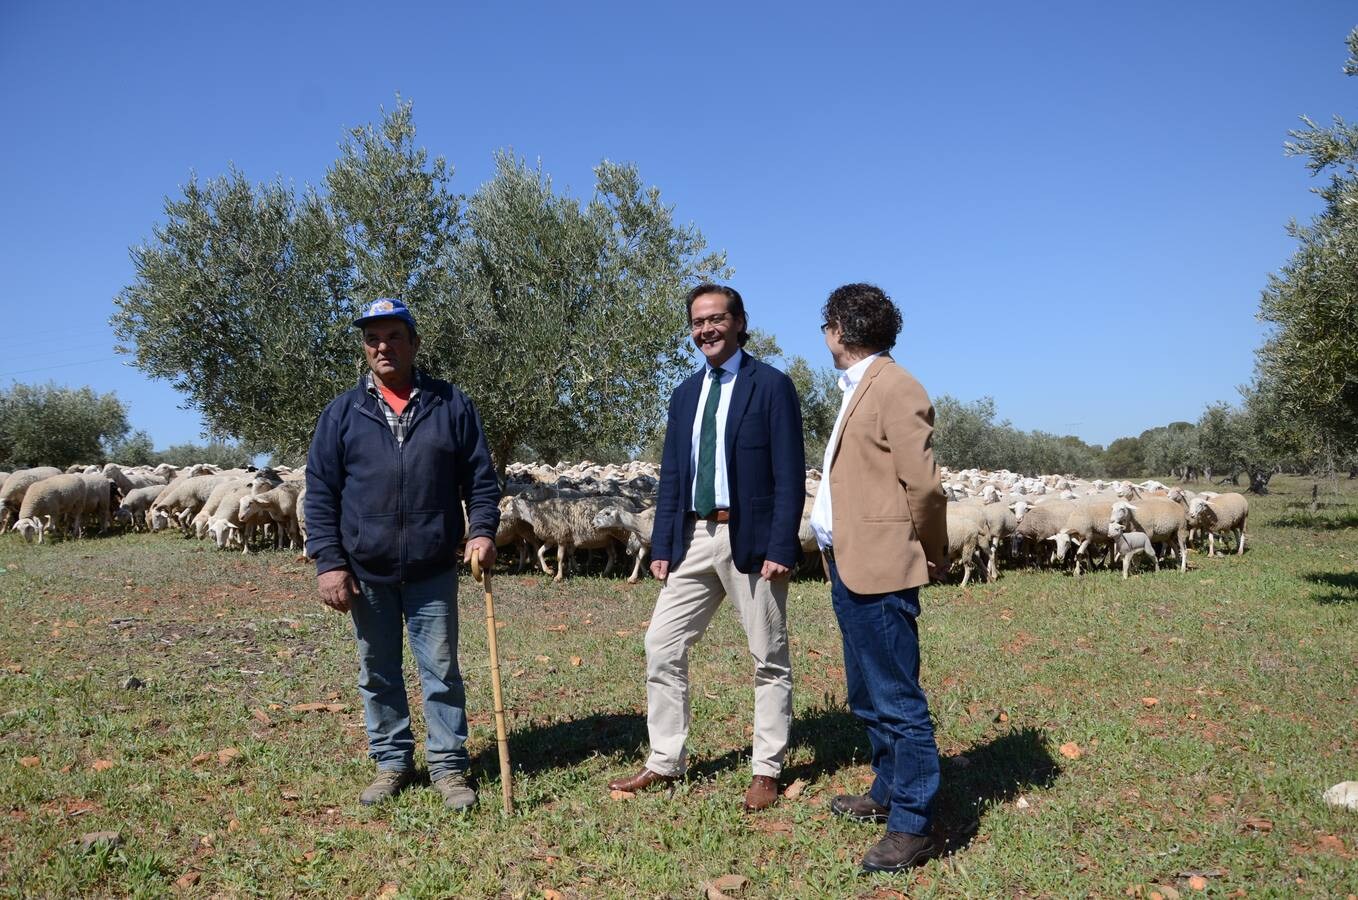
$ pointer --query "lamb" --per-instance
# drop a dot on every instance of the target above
(51, 505)
(14, 488)
(568, 525)
(629, 527)
(1221, 514)
(967, 533)
(1159, 517)
(1128, 544)
(136, 506)
(1001, 523)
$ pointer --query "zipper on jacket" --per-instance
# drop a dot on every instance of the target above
(400, 507)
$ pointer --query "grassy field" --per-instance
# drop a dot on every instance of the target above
(1171, 733)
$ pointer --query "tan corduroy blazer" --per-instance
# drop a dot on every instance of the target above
(889, 508)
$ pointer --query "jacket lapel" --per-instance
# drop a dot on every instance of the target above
(740, 398)
(864, 386)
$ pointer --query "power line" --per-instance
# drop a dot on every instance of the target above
(83, 362)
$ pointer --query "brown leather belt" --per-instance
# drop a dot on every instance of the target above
(717, 516)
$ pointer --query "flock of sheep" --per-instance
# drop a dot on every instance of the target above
(992, 516)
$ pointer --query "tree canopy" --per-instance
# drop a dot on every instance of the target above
(560, 318)
(1308, 364)
(46, 425)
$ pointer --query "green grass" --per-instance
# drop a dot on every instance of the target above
(1252, 663)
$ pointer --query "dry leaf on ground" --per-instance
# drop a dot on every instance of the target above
(227, 755)
(794, 790)
(576, 660)
(30, 762)
(1256, 824)
(101, 765)
(620, 795)
(1198, 883)
(187, 880)
(1071, 750)
(725, 887)
(556, 628)
(1148, 702)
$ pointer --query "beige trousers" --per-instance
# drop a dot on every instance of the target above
(685, 607)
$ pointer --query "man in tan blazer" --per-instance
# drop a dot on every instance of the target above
(880, 520)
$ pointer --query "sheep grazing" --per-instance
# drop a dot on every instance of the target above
(136, 506)
(1128, 544)
(53, 504)
(1160, 518)
(1000, 522)
(1222, 514)
(630, 528)
(967, 533)
(514, 530)
(15, 486)
(280, 506)
(101, 498)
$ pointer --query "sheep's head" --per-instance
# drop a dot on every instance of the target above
(1122, 513)
(1062, 541)
(30, 527)
(607, 518)
(1020, 509)
(1115, 529)
(160, 520)
(1196, 507)
(221, 532)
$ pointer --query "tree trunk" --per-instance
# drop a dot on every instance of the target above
(1315, 494)
(1259, 482)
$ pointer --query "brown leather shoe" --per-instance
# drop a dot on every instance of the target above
(899, 851)
(641, 781)
(762, 794)
(860, 808)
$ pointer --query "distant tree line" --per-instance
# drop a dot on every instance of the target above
(47, 425)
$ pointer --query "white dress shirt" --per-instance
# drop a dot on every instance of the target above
(728, 381)
(822, 513)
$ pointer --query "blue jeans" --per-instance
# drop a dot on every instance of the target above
(881, 666)
(429, 610)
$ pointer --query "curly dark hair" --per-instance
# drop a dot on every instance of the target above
(866, 316)
(734, 305)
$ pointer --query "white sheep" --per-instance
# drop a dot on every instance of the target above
(1159, 517)
(136, 506)
(52, 504)
(967, 533)
(1222, 514)
(568, 525)
(15, 486)
(629, 527)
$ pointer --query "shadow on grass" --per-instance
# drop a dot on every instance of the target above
(1322, 520)
(996, 771)
(1345, 584)
(560, 745)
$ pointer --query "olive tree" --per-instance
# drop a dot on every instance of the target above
(47, 425)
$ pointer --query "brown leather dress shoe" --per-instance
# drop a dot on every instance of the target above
(860, 808)
(762, 794)
(641, 781)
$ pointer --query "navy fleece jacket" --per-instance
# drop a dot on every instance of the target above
(392, 512)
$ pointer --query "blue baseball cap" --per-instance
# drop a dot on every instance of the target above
(385, 308)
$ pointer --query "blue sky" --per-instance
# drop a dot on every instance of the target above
(1075, 204)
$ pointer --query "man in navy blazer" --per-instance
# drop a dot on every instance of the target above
(732, 488)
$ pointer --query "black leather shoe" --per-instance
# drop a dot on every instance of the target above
(898, 851)
(860, 808)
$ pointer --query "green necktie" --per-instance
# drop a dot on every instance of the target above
(705, 492)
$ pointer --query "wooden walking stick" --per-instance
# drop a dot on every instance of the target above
(501, 736)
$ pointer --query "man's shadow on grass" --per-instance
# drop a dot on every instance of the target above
(1344, 583)
(988, 773)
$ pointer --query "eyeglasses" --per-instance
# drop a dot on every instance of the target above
(826, 326)
(700, 323)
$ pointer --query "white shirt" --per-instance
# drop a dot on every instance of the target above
(822, 513)
(722, 490)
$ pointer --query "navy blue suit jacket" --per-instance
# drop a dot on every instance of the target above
(765, 469)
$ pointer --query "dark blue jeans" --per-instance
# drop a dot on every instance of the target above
(428, 609)
(881, 666)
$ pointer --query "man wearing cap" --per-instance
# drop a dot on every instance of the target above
(732, 486)
(391, 464)
(880, 519)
